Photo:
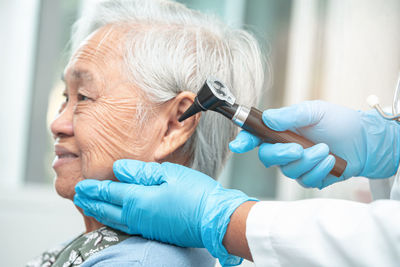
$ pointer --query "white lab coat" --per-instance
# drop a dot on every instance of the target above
(327, 232)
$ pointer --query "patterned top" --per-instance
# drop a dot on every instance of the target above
(79, 249)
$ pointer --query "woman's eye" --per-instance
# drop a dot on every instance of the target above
(83, 97)
(66, 98)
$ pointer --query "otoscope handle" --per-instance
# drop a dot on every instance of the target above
(255, 125)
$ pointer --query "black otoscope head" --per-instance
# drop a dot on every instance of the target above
(214, 95)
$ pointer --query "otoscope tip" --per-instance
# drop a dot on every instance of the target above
(193, 109)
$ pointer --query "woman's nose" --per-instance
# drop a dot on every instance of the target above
(62, 125)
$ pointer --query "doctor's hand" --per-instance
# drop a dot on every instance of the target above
(166, 202)
(369, 144)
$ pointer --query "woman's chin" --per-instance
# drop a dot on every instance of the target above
(67, 176)
(65, 187)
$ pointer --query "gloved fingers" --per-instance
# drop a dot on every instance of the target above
(296, 116)
(244, 142)
(138, 172)
(107, 191)
(99, 210)
(279, 154)
(316, 176)
(311, 157)
(330, 180)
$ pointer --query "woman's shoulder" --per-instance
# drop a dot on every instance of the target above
(109, 247)
(142, 252)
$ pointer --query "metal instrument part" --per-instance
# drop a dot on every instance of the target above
(373, 102)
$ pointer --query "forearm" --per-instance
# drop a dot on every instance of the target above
(235, 240)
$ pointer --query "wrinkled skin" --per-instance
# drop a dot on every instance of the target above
(98, 123)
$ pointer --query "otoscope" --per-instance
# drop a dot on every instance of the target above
(214, 95)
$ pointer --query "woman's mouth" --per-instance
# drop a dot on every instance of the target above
(63, 156)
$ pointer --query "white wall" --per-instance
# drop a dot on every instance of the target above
(362, 51)
(32, 220)
(17, 39)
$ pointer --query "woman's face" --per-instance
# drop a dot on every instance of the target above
(97, 124)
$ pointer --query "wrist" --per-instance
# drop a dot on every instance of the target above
(235, 241)
(216, 219)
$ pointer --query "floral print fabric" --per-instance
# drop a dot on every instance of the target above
(78, 250)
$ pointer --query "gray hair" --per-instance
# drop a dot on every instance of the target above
(185, 47)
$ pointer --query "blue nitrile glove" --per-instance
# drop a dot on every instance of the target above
(166, 202)
(369, 143)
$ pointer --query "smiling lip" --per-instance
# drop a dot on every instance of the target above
(63, 155)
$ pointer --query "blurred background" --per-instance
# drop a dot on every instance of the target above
(338, 51)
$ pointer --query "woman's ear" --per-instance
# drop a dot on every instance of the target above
(176, 133)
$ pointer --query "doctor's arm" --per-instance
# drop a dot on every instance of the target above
(317, 232)
(235, 240)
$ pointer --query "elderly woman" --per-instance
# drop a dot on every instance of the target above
(135, 68)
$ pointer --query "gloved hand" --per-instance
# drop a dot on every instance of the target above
(165, 202)
(369, 143)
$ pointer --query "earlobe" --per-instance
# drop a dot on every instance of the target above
(176, 133)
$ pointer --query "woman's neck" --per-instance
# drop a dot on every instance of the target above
(91, 223)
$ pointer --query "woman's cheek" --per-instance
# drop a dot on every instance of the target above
(106, 131)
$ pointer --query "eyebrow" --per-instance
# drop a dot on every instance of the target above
(82, 75)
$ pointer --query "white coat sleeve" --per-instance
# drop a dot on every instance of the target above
(324, 232)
